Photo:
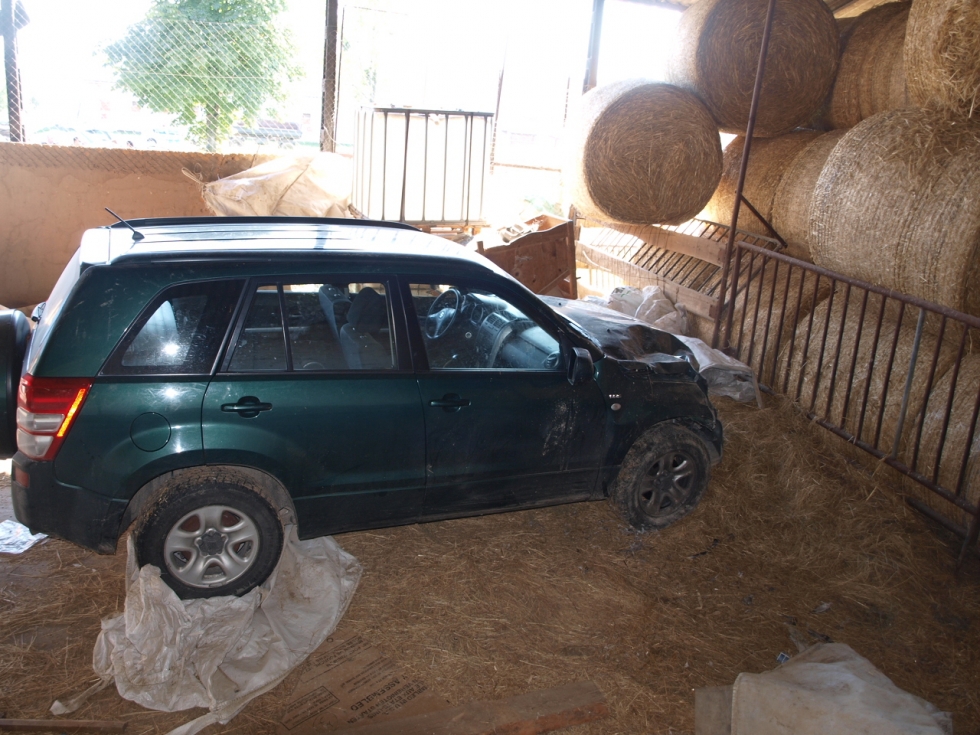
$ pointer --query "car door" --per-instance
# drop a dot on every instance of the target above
(504, 427)
(318, 389)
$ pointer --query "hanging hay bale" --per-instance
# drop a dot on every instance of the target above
(642, 153)
(871, 77)
(954, 439)
(768, 160)
(898, 204)
(942, 55)
(840, 332)
(794, 195)
(718, 52)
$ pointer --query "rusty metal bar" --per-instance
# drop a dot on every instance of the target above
(913, 359)
(854, 357)
(949, 402)
(928, 393)
(743, 167)
(772, 230)
(888, 374)
(840, 343)
(823, 344)
(871, 366)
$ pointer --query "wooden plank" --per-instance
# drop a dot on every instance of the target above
(526, 714)
(543, 261)
(62, 725)
(697, 247)
(694, 301)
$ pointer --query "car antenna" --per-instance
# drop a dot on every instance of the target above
(137, 236)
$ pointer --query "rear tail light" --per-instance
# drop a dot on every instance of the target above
(46, 409)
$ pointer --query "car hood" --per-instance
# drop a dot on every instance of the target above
(622, 337)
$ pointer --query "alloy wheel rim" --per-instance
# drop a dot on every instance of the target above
(667, 485)
(211, 546)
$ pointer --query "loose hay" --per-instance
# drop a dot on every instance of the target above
(768, 159)
(898, 204)
(642, 153)
(791, 205)
(871, 77)
(942, 55)
(718, 52)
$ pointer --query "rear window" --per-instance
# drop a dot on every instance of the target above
(52, 308)
(180, 333)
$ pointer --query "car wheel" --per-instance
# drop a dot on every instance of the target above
(212, 539)
(15, 331)
(662, 478)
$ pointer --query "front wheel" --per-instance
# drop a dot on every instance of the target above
(210, 539)
(662, 478)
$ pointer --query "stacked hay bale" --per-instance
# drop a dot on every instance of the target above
(871, 76)
(898, 204)
(718, 51)
(642, 153)
(767, 162)
(792, 202)
(942, 55)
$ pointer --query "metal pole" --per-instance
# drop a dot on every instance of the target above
(750, 128)
(328, 120)
(592, 67)
(8, 24)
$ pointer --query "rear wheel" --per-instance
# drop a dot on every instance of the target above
(211, 539)
(15, 331)
(662, 478)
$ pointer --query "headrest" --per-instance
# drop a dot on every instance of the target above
(368, 312)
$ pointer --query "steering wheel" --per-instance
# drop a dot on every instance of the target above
(442, 313)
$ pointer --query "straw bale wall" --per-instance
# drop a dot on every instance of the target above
(898, 204)
(642, 153)
(717, 55)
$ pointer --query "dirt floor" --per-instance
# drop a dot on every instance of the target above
(796, 539)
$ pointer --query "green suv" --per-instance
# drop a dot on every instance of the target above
(209, 381)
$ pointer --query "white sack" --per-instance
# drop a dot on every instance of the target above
(625, 299)
(655, 305)
(726, 376)
(317, 186)
(220, 653)
(830, 689)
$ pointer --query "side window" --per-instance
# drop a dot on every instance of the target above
(333, 326)
(180, 333)
(474, 329)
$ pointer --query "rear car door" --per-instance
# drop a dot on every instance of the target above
(318, 389)
(504, 427)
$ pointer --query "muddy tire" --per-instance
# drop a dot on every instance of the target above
(15, 332)
(211, 538)
(662, 478)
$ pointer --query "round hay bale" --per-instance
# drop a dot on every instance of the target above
(718, 52)
(768, 160)
(794, 195)
(852, 339)
(950, 458)
(642, 153)
(821, 118)
(871, 77)
(898, 204)
(942, 55)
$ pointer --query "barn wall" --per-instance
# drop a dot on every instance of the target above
(49, 195)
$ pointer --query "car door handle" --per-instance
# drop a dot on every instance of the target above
(450, 402)
(248, 407)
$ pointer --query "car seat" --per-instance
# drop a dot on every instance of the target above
(359, 337)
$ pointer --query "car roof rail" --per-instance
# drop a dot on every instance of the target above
(271, 220)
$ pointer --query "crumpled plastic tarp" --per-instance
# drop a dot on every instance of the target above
(220, 653)
(16, 538)
(627, 338)
(309, 186)
(830, 689)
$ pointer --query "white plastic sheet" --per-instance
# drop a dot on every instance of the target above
(170, 654)
(725, 375)
(16, 538)
(830, 689)
(310, 186)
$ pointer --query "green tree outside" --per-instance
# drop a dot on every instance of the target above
(210, 63)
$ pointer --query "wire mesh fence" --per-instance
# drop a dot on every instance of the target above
(230, 75)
